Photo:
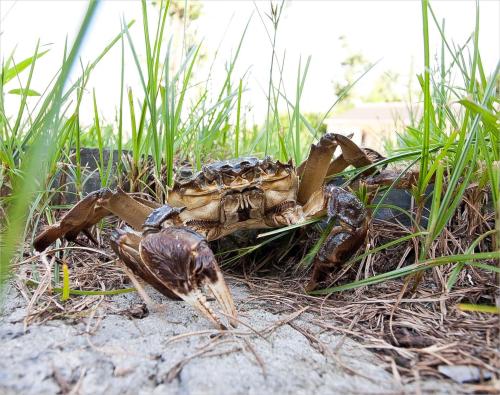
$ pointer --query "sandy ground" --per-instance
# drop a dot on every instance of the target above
(177, 352)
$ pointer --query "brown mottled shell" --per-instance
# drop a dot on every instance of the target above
(207, 194)
(231, 174)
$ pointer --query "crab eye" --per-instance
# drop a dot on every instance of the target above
(185, 172)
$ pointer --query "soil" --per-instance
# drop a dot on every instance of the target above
(118, 348)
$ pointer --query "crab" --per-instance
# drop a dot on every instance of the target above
(166, 245)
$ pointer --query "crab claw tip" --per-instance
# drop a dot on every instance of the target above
(223, 296)
(196, 299)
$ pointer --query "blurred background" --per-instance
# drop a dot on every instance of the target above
(343, 39)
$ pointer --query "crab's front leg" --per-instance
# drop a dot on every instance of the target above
(347, 235)
(90, 210)
(176, 261)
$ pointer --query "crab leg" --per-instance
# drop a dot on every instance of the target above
(388, 177)
(352, 155)
(319, 164)
(90, 210)
(313, 172)
(151, 305)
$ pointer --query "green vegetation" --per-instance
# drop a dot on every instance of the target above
(454, 147)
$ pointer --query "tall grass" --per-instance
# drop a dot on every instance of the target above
(26, 152)
(455, 148)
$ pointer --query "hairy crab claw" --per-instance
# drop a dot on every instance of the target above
(178, 262)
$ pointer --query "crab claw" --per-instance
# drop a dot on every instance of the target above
(178, 262)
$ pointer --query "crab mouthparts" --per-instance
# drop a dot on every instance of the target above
(223, 296)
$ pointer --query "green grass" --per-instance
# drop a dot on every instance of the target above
(25, 151)
(453, 150)
(174, 115)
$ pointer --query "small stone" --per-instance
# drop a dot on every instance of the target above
(465, 373)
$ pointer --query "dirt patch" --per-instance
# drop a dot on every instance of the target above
(109, 351)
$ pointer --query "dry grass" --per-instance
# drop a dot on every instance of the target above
(413, 332)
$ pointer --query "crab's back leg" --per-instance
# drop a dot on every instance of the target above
(91, 210)
(353, 155)
(313, 171)
(319, 164)
(126, 208)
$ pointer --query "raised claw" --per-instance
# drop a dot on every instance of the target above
(177, 262)
(345, 238)
(314, 169)
(320, 165)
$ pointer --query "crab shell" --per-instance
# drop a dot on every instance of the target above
(242, 193)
